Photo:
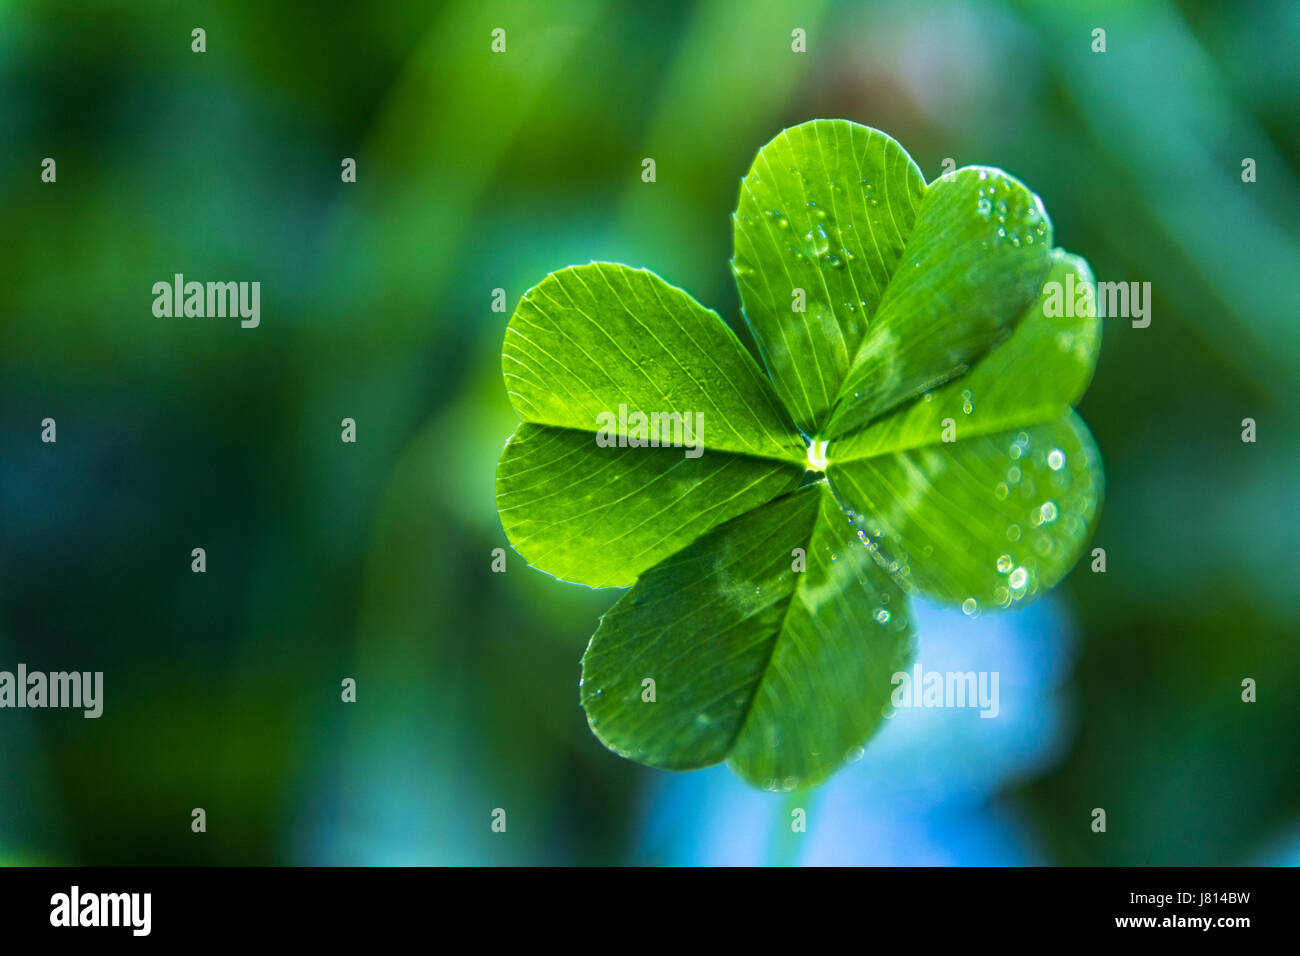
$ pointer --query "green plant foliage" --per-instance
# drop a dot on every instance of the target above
(913, 433)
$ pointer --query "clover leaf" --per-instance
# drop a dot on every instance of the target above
(911, 431)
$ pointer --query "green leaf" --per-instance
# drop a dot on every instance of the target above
(960, 519)
(1035, 376)
(784, 673)
(589, 339)
(976, 261)
(600, 516)
(588, 350)
(986, 522)
(827, 209)
(931, 378)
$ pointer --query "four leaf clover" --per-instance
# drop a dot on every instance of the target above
(910, 431)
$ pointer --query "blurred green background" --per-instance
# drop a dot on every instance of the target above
(479, 171)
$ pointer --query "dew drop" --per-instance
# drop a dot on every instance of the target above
(1004, 563)
(1019, 578)
(970, 606)
(816, 242)
(881, 616)
(1056, 459)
